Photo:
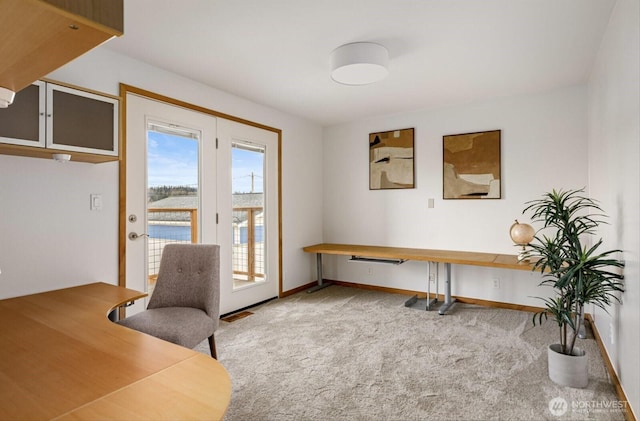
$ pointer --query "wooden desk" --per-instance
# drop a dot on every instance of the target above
(400, 254)
(61, 358)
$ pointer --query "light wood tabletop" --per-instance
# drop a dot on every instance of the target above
(400, 254)
(505, 261)
(62, 358)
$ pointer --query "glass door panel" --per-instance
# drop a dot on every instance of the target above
(248, 254)
(173, 191)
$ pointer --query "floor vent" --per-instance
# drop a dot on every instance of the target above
(236, 316)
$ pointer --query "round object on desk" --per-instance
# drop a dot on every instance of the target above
(522, 234)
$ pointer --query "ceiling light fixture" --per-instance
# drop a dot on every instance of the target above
(359, 63)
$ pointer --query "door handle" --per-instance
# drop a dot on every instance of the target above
(135, 236)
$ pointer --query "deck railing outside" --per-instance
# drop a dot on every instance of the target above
(170, 225)
(248, 244)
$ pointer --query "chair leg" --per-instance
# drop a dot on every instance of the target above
(212, 347)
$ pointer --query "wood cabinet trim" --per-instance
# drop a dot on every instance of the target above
(80, 88)
(47, 153)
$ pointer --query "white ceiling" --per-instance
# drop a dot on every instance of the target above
(441, 52)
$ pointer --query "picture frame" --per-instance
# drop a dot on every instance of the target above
(391, 160)
(471, 165)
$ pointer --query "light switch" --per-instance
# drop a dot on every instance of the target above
(96, 202)
(430, 203)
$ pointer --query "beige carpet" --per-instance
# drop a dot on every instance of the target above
(350, 354)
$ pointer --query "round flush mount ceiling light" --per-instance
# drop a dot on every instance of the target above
(359, 63)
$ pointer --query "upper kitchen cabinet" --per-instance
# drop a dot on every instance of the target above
(39, 36)
(49, 118)
(80, 121)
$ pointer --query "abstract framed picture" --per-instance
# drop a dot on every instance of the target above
(391, 164)
(471, 165)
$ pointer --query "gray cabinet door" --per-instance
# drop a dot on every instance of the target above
(22, 123)
(81, 121)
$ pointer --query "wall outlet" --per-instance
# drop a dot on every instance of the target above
(369, 270)
(432, 277)
(496, 283)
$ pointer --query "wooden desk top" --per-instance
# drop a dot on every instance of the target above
(505, 261)
(61, 358)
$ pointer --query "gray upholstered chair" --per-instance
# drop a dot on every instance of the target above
(185, 304)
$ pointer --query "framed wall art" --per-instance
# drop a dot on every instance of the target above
(391, 164)
(471, 165)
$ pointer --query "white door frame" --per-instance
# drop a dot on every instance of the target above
(124, 227)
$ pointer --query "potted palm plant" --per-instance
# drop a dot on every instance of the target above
(580, 274)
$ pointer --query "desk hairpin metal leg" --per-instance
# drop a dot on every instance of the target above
(431, 301)
(321, 283)
(448, 300)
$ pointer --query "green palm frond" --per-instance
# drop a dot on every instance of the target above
(579, 275)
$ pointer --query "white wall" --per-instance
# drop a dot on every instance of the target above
(544, 139)
(48, 237)
(614, 179)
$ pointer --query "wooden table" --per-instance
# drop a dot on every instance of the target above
(399, 255)
(61, 358)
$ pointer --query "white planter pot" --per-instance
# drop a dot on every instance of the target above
(568, 370)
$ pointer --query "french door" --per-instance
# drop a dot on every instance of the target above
(249, 188)
(184, 184)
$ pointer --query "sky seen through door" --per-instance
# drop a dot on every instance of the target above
(173, 161)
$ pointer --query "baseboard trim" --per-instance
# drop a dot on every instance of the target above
(499, 304)
(422, 294)
(379, 288)
(628, 414)
(297, 289)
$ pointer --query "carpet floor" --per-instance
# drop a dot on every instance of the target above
(351, 354)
